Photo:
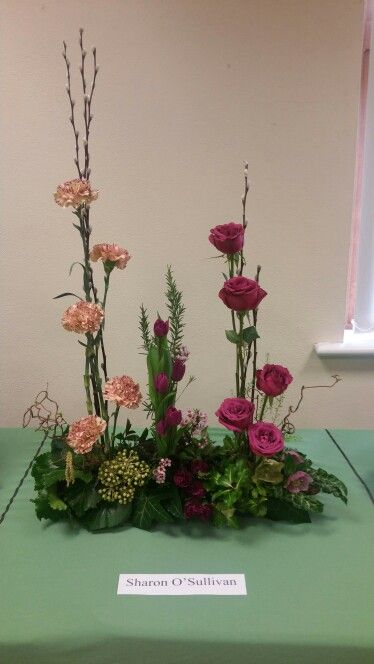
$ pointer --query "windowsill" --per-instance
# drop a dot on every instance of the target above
(354, 345)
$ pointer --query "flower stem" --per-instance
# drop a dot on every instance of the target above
(263, 407)
(116, 412)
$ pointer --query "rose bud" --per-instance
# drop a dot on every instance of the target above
(179, 369)
(161, 383)
(236, 413)
(241, 294)
(161, 428)
(161, 327)
(227, 238)
(265, 439)
(173, 417)
(273, 379)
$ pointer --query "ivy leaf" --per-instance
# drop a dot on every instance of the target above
(44, 510)
(57, 297)
(174, 504)
(279, 510)
(106, 516)
(250, 334)
(147, 511)
(55, 502)
(58, 475)
(232, 336)
(82, 497)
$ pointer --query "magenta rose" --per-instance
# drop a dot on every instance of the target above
(273, 379)
(298, 482)
(265, 439)
(178, 370)
(161, 383)
(241, 294)
(161, 327)
(173, 417)
(228, 238)
(182, 478)
(236, 413)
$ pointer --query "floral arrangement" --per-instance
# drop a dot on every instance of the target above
(100, 475)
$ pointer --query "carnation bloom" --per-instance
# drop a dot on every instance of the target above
(75, 193)
(298, 482)
(84, 433)
(83, 317)
(265, 439)
(123, 390)
(110, 253)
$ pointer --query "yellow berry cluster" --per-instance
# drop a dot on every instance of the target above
(121, 476)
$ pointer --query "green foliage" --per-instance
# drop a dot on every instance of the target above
(176, 312)
(106, 516)
(232, 336)
(250, 334)
(229, 487)
(148, 511)
(144, 328)
(81, 497)
(44, 510)
(300, 500)
(280, 510)
(328, 483)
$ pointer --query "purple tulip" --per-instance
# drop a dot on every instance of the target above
(161, 327)
(173, 417)
(179, 369)
(161, 383)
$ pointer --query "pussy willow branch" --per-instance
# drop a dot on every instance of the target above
(285, 424)
(244, 219)
(72, 116)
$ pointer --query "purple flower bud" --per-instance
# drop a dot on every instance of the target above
(173, 417)
(179, 369)
(161, 427)
(161, 383)
(161, 327)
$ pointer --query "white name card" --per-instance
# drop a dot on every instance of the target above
(181, 584)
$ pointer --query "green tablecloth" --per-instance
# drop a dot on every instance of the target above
(310, 587)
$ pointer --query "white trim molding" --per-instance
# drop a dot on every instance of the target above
(353, 345)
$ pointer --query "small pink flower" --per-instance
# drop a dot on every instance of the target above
(123, 390)
(110, 253)
(75, 193)
(84, 433)
(298, 482)
(183, 354)
(83, 317)
(196, 420)
(159, 473)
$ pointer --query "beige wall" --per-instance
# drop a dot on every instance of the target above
(187, 90)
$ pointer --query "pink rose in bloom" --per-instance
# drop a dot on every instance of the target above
(241, 294)
(161, 428)
(110, 253)
(179, 369)
(83, 317)
(161, 383)
(84, 433)
(236, 413)
(161, 327)
(123, 391)
(265, 439)
(295, 456)
(196, 489)
(182, 478)
(75, 193)
(194, 509)
(298, 482)
(227, 238)
(273, 379)
(199, 466)
(173, 417)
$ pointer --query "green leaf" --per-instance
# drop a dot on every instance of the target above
(174, 504)
(250, 334)
(75, 263)
(147, 511)
(58, 475)
(328, 483)
(82, 497)
(65, 295)
(107, 515)
(232, 336)
(43, 465)
(279, 510)
(45, 511)
(55, 502)
(223, 517)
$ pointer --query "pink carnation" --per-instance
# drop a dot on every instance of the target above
(124, 391)
(83, 317)
(298, 482)
(84, 433)
(75, 193)
(111, 253)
